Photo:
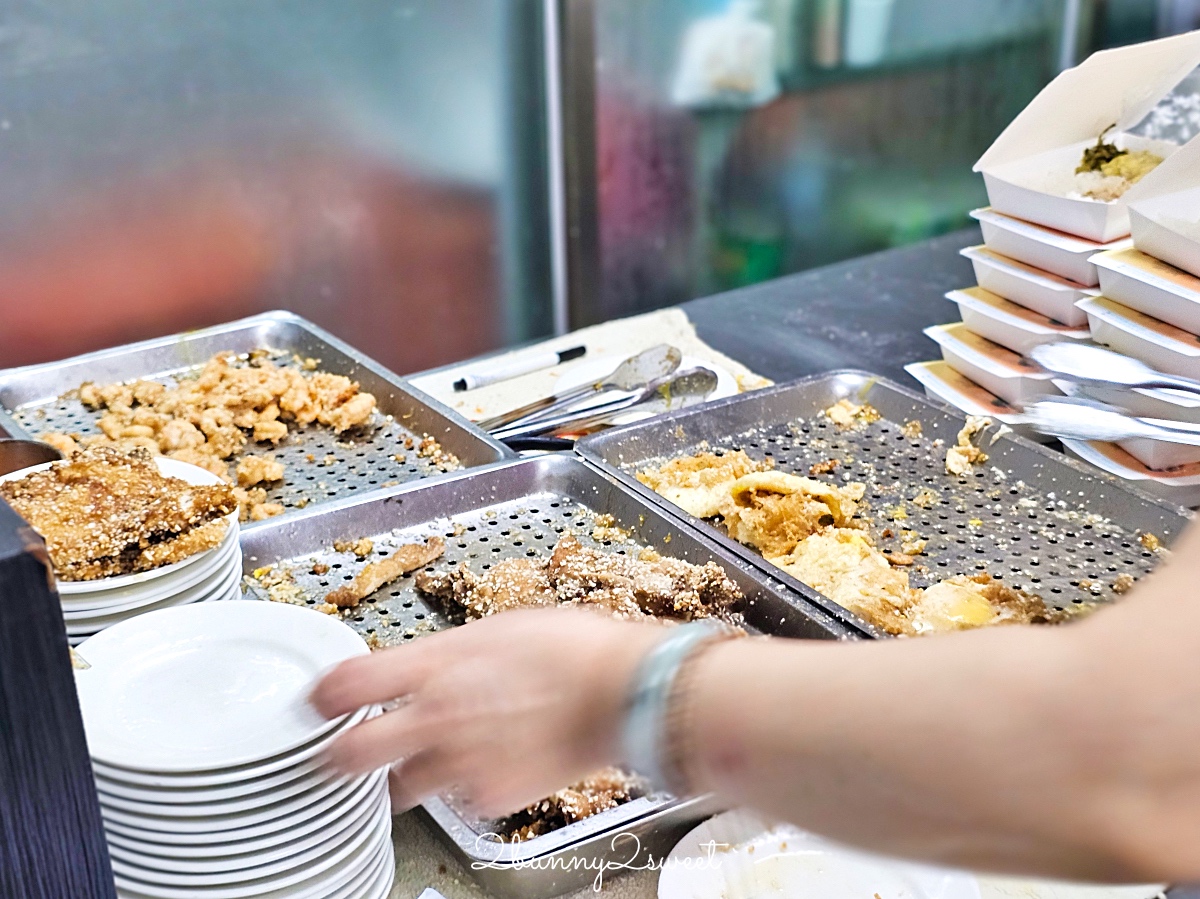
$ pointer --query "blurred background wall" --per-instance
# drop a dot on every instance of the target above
(376, 165)
(384, 166)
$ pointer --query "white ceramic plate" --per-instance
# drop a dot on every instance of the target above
(226, 555)
(185, 795)
(235, 774)
(738, 855)
(316, 879)
(593, 369)
(208, 686)
(166, 831)
(355, 816)
(307, 784)
(307, 824)
(378, 882)
(222, 872)
(317, 790)
(222, 585)
(171, 468)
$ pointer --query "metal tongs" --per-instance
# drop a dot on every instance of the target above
(1082, 419)
(678, 391)
(1095, 365)
(635, 373)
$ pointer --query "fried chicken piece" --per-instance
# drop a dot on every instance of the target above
(270, 431)
(575, 575)
(846, 415)
(773, 511)
(362, 547)
(403, 560)
(61, 442)
(597, 793)
(845, 566)
(100, 511)
(962, 603)
(263, 511)
(509, 584)
(253, 470)
(201, 459)
(964, 455)
(353, 413)
(184, 546)
(700, 484)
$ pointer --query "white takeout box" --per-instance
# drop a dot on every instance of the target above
(1159, 345)
(1012, 378)
(1151, 286)
(1166, 215)
(1029, 171)
(1012, 326)
(941, 382)
(1180, 486)
(1034, 288)
(1053, 251)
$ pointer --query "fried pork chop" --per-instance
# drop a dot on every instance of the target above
(575, 575)
(105, 512)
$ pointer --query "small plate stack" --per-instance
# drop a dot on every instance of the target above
(91, 606)
(210, 765)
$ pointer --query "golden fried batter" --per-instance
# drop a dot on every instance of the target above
(575, 575)
(772, 511)
(401, 561)
(700, 484)
(210, 418)
(598, 793)
(104, 513)
(845, 566)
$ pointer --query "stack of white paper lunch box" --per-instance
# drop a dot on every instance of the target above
(1046, 270)
(1149, 308)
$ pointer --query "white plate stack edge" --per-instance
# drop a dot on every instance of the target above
(210, 764)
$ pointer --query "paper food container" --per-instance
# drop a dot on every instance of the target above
(1053, 251)
(1029, 171)
(1168, 405)
(1016, 380)
(1013, 327)
(1052, 296)
(1165, 216)
(1151, 286)
(941, 382)
(1180, 485)
(1136, 334)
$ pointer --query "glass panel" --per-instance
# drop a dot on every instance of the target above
(739, 141)
(376, 165)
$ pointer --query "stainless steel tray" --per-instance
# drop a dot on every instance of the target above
(494, 513)
(1030, 516)
(320, 464)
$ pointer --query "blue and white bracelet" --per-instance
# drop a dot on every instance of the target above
(647, 737)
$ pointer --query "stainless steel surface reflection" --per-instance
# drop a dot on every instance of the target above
(375, 166)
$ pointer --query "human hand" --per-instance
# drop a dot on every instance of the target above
(506, 710)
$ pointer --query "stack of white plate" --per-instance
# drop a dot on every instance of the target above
(91, 606)
(210, 764)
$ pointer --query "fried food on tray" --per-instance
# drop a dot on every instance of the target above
(965, 455)
(808, 528)
(773, 511)
(104, 513)
(699, 484)
(851, 416)
(646, 586)
(598, 793)
(400, 562)
(210, 418)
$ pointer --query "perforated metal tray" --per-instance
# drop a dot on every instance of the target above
(320, 464)
(493, 513)
(1030, 516)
